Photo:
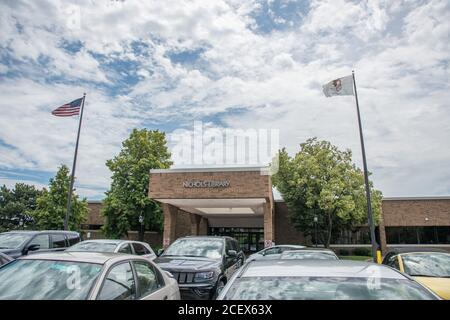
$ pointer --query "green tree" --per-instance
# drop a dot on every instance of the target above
(16, 206)
(320, 180)
(127, 198)
(52, 204)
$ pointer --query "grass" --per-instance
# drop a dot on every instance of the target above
(356, 258)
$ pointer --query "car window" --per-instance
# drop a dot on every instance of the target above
(125, 248)
(42, 240)
(140, 249)
(58, 241)
(73, 239)
(270, 251)
(119, 284)
(147, 278)
(393, 262)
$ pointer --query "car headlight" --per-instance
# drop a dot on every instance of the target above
(199, 276)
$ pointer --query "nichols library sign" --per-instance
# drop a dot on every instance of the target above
(206, 184)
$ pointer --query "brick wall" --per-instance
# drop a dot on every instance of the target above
(285, 233)
(423, 212)
(243, 184)
(94, 214)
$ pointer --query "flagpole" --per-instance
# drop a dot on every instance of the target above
(72, 176)
(366, 179)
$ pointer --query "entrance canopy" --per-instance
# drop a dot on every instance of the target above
(215, 197)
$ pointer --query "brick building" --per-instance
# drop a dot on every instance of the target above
(240, 202)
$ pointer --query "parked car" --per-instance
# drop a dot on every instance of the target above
(273, 252)
(321, 280)
(430, 267)
(201, 265)
(309, 253)
(20, 243)
(4, 259)
(85, 275)
(117, 246)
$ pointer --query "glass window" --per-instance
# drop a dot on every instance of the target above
(325, 288)
(427, 264)
(73, 239)
(119, 284)
(42, 240)
(140, 249)
(147, 278)
(393, 262)
(210, 248)
(58, 240)
(95, 246)
(13, 240)
(125, 248)
(274, 250)
(47, 280)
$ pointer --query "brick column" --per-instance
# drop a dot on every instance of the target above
(203, 227)
(268, 224)
(382, 231)
(195, 223)
(170, 213)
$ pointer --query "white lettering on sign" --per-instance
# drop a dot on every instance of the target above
(206, 184)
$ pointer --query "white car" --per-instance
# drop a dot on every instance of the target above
(116, 246)
(273, 252)
(85, 276)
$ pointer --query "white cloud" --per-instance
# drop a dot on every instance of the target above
(400, 51)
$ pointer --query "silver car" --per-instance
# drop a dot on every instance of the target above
(273, 252)
(117, 246)
(310, 253)
(85, 276)
(321, 280)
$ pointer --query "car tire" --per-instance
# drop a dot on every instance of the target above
(219, 286)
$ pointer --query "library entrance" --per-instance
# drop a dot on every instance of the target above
(235, 202)
(251, 240)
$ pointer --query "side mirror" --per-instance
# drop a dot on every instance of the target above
(232, 253)
(159, 252)
(33, 247)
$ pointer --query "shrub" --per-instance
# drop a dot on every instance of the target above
(344, 252)
(362, 252)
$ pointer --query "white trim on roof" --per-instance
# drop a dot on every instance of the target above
(213, 169)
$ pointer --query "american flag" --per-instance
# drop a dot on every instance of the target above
(68, 109)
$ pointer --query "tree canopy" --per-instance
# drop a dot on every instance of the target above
(16, 206)
(127, 198)
(321, 180)
(52, 204)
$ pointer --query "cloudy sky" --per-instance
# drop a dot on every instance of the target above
(231, 64)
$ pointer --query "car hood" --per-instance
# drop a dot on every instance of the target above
(180, 263)
(440, 286)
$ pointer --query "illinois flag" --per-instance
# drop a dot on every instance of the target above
(339, 87)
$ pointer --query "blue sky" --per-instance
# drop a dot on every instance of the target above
(231, 64)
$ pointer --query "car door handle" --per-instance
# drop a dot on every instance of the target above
(165, 298)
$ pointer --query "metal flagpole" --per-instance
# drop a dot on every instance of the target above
(72, 176)
(366, 179)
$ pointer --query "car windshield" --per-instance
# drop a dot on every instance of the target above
(308, 255)
(325, 288)
(430, 264)
(13, 240)
(93, 246)
(209, 248)
(47, 280)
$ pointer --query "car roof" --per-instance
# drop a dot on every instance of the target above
(207, 237)
(415, 249)
(320, 250)
(42, 231)
(75, 256)
(318, 268)
(287, 246)
(114, 241)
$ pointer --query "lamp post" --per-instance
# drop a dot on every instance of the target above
(316, 220)
(141, 221)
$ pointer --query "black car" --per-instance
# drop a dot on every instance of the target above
(201, 265)
(20, 243)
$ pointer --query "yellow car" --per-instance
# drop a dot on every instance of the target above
(430, 267)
